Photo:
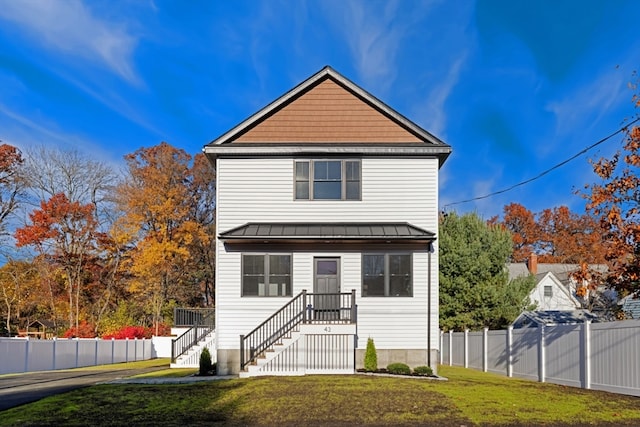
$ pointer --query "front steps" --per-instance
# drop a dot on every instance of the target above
(313, 349)
(191, 359)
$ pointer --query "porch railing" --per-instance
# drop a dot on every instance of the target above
(189, 316)
(202, 326)
(303, 308)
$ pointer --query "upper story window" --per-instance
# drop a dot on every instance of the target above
(548, 291)
(327, 180)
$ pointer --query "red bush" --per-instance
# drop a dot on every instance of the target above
(84, 330)
(139, 332)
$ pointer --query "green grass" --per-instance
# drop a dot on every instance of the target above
(169, 373)
(469, 398)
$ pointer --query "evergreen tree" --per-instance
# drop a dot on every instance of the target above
(475, 291)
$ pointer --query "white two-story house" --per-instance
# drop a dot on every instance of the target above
(327, 216)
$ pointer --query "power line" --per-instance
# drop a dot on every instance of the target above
(540, 175)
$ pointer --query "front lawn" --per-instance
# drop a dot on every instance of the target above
(469, 398)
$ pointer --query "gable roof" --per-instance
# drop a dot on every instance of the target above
(535, 318)
(550, 277)
(329, 114)
(267, 232)
(561, 271)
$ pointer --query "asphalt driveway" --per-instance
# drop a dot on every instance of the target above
(18, 389)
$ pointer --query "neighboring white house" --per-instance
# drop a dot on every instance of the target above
(327, 205)
(554, 293)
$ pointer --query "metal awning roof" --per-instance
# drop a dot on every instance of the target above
(316, 231)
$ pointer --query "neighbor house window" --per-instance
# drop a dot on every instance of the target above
(387, 275)
(548, 291)
(266, 275)
(327, 180)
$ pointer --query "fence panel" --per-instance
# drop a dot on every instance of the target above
(497, 355)
(475, 350)
(524, 356)
(563, 364)
(457, 349)
(615, 363)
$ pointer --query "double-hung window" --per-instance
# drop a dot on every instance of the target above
(387, 275)
(327, 179)
(266, 275)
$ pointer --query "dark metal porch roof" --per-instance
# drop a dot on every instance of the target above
(316, 231)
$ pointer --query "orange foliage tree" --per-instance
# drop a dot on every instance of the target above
(11, 183)
(615, 200)
(64, 232)
(158, 218)
(557, 235)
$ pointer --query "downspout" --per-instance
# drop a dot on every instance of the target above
(429, 250)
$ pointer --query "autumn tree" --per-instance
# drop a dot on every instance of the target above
(202, 189)
(615, 200)
(11, 183)
(158, 217)
(475, 291)
(64, 232)
(557, 235)
(18, 290)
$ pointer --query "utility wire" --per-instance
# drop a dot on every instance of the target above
(540, 175)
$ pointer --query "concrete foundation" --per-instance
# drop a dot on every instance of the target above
(228, 362)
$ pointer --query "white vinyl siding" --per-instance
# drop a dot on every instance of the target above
(392, 190)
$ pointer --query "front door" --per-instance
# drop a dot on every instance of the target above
(326, 288)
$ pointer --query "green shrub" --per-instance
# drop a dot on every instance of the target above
(399, 369)
(206, 367)
(423, 370)
(370, 357)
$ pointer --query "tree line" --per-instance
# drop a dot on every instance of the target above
(93, 249)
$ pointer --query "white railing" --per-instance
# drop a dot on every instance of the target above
(599, 356)
(28, 355)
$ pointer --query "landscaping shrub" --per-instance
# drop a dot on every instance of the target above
(399, 369)
(206, 367)
(370, 357)
(84, 330)
(423, 370)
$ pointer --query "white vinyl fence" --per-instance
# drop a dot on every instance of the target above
(599, 356)
(28, 355)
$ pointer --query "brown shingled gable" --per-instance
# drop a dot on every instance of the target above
(327, 113)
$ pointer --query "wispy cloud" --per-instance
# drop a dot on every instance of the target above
(435, 112)
(374, 36)
(23, 132)
(585, 107)
(70, 28)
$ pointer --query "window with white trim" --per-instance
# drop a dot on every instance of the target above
(327, 179)
(387, 275)
(267, 275)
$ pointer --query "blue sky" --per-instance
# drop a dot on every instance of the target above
(513, 87)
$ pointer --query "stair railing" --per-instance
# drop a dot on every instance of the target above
(299, 310)
(203, 325)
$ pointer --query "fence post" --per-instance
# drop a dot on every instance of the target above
(466, 348)
(126, 350)
(586, 356)
(96, 359)
(113, 350)
(441, 346)
(26, 355)
(541, 354)
(55, 341)
(485, 350)
(450, 347)
(77, 352)
(510, 351)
